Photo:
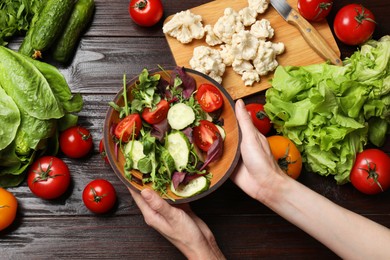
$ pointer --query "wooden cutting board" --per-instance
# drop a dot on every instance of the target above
(297, 52)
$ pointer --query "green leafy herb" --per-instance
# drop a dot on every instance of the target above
(15, 17)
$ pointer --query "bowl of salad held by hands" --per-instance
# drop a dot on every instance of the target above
(173, 131)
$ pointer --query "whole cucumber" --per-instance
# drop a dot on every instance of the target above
(52, 19)
(79, 19)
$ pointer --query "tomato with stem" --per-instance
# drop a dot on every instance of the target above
(354, 24)
(99, 196)
(259, 117)
(314, 10)
(76, 142)
(286, 154)
(48, 177)
(146, 12)
(371, 171)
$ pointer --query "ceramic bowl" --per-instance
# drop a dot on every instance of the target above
(221, 169)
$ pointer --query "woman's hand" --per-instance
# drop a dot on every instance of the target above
(179, 225)
(258, 171)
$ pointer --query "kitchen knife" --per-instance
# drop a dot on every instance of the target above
(309, 33)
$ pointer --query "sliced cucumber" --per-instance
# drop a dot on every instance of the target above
(179, 148)
(221, 131)
(180, 116)
(135, 150)
(192, 188)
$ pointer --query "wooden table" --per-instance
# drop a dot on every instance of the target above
(244, 229)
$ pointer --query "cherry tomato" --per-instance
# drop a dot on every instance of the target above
(286, 154)
(209, 97)
(146, 12)
(354, 24)
(314, 10)
(48, 177)
(128, 127)
(205, 134)
(76, 142)
(371, 171)
(102, 151)
(99, 196)
(259, 117)
(156, 115)
(8, 207)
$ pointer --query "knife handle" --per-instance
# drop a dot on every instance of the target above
(313, 38)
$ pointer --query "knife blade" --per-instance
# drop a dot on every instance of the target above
(309, 33)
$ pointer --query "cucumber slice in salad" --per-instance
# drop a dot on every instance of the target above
(135, 149)
(179, 148)
(180, 116)
(192, 188)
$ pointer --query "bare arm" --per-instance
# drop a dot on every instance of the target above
(346, 233)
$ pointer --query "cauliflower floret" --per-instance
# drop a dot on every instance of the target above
(259, 5)
(248, 73)
(250, 77)
(240, 66)
(211, 38)
(227, 25)
(185, 26)
(262, 29)
(226, 54)
(265, 60)
(278, 47)
(209, 62)
(244, 45)
(248, 16)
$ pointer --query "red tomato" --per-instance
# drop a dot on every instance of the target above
(371, 171)
(259, 117)
(209, 97)
(8, 207)
(354, 24)
(158, 114)
(146, 12)
(286, 154)
(102, 151)
(314, 10)
(99, 196)
(48, 177)
(205, 134)
(76, 142)
(128, 127)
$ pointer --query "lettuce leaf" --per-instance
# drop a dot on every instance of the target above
(331, 112)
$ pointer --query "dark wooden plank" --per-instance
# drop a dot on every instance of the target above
(128, 236)
(112, 18)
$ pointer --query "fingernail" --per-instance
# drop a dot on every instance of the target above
(240, 103)
(146, 194)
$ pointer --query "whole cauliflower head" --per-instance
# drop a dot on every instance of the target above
(185, 26)
(209, 62)
(248, 16)
(259, 5)
(244, 45)
(262, 29)
(227, 25)
(211, 38)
